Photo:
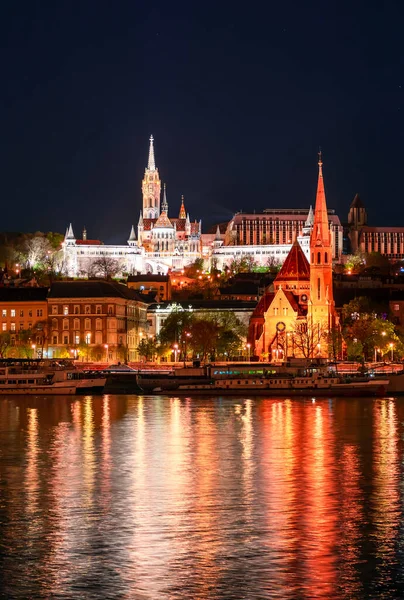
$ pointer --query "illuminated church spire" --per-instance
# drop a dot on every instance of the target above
(164, 206)
(321, 308)
(151, 187)
(183, 214)
(151, 165)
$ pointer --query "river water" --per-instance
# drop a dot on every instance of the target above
(166, 498)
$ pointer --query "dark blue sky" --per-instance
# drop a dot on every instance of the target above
(239, 96)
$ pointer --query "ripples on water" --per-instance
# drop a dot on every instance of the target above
(167, 498)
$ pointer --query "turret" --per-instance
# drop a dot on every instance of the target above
(132, 237)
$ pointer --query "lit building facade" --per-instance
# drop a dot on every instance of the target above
(388, 241)
(89, 317)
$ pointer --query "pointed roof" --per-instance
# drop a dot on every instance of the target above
(132, 237)
(140, 223)
(182, 214)
(217, 236)
(69, 233)
(296, 265)
(164, 206)
(163, 221)
(310, 217)
(320, 234)
(151, 165)
(357, 202)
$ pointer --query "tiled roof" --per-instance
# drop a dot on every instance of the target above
(296, 265)
(148, 277)
(89, 242)
(163, 221)
(263, 305)
(23, 294)
(92, 289)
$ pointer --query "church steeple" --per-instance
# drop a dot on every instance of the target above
(321, 308)
(183, 214)
(151, 165)
(164, 206)
(151, 186)
(321, 229)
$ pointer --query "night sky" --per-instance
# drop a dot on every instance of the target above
(238, 96)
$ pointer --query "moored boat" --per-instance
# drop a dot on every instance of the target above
(46, 377)
(311, 384)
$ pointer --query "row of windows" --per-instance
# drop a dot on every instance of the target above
(75, 338)
(76, 309)
(13, 312)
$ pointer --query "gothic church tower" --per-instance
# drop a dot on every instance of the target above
(151, 187)
(321, 306)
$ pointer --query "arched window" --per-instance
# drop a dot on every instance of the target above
(65, 323)
(326, 257)
(318, 288)
(312, 258)
(98, 337)
(87, 324)
(98, 324)
(54, 323)
(318, 258)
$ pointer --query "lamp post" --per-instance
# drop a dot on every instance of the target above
(185, 341)
(392, 350)
(376, 349)
(248, 351)
(106, 350)
(33, 350)
(175, 350)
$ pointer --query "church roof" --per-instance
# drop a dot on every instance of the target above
(89, 242)
(357, 202)
(296, 265)
(263, 305)
(163, 221)
(179, 224)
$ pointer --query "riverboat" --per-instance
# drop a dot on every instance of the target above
(281, 384)
(46, 377)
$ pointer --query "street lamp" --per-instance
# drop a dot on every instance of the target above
(175, 350)
(106, 350)
(248, 351)
(33, 350)
(376, 351)
(392, 350)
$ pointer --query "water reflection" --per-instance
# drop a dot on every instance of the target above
(179, 498)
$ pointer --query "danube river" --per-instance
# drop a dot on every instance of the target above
(166, 498)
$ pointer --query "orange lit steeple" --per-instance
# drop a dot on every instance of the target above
(183, 214)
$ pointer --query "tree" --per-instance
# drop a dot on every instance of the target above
(98, 353)
(148, 348)
(308, 338)
(204, 337)
(104, 267)
(5, 343)
(175, 324)
(245, 264)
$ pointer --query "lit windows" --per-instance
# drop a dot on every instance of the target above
(88, 338)
(4, 312)
(12, 312)
(54, 309)
(65, 310)
(4, 326)
(12, 327)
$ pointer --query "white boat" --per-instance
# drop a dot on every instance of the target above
(43, 377)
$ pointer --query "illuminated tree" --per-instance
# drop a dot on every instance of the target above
(104, 267)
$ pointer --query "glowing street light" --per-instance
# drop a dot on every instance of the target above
(33, 349)
(106, 350)
(392, 350)
(248, 351)
(175, 350)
